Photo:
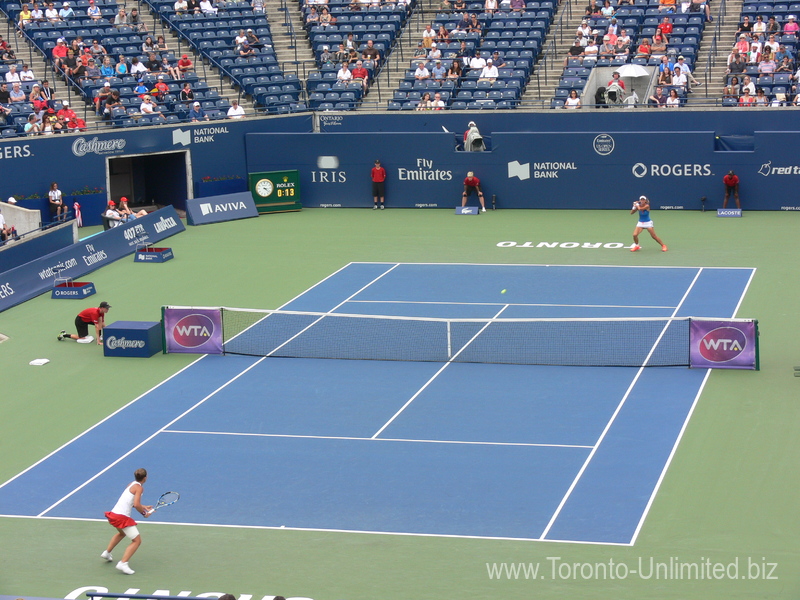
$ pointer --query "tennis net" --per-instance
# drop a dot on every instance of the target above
(568, 342)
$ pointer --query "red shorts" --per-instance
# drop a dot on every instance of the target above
(120, 521)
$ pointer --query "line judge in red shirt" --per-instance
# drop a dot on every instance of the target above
(82, 321)
(472, 185)
(378, 184)
(731, 181)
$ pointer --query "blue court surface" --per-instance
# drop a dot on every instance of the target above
(423, 448)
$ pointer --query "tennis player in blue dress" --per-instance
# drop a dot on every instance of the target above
(643, 206)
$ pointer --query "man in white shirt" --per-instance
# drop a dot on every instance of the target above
(235, 111)
(12, 75)
(438, 103)
(421, 74)
(344, 75)
(489, 72)
(477, 62)
(26, 74)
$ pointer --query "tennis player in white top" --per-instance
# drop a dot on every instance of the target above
(120, 518)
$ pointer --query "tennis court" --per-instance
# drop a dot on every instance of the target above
(437, 448)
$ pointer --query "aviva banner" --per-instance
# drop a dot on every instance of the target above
(215, 209)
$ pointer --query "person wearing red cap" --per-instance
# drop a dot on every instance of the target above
(126, 213)
(185, 65)
(112, 214)
(86, 317)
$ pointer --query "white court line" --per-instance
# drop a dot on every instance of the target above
(435, 375)
(364, 439)
(508, 304)
(616, 412)
(453, 264)
(186, 412)
(321, 530)
(683, 428)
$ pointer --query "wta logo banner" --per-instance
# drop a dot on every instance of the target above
(724, 344)
(193, 330)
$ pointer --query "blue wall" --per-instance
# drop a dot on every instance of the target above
(600, 169)
(676, 157)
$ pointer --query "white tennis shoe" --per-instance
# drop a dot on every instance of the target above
(106, 555)
(123, 566)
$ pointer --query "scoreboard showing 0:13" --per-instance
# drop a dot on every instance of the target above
(276, 191)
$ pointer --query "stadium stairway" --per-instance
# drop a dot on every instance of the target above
(293, 52)
(400, 57)
(712, 59)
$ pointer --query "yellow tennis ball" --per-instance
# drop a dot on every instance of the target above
(503, 291)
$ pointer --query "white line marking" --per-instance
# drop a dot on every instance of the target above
(510, 304)
(447, 264)
(616, 412)
(364, 439)
(322, 530)
(427, 383)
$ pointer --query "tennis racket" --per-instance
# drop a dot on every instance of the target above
(165, 500)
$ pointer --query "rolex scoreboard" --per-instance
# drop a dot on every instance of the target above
(276, 191)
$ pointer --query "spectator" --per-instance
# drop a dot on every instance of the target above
(50, 124)
(92, 70)
(137, 68)
(687, 71)
(6, 53)
(121, 18)
(791, 27)
(26, 74)
(747, 84)
(32, 127)
(732, 89)
(5, 94)
(772, 44)
(575, 51)
(160, 90)
(4, 112)
(65, 114)
(573, 101)
(474, 24)
(168, 68)
(7, 232)
(37, 99)
(370, 52)
(235, 111)
(246, 51)
(193, 6)
(772, 26)
(454, 72)
(490, 6)
(759, 26)
(592, 9)
(341, 55)
(434, 53)
(66, 12)
(343, 75)
(149, 108)
(425, 103)
(197, 113)
(111, 102)
(591, 50)
(746, 99)
(643, 51)
(679, 79)
(767, 66)
(97, 50)
(666, 6)
(786, 66)
(253, 39)
(607, 48)
(37, 14)
(127, 214)
(518, 6)
(665, 28)
(665, 76)
(135, 21)
(422, 73)
(438, 72)
(428, 36)
(659, 46)
(360, 75)
(187, 95)
(148, 45)
(78, 74)
(584, 32)
(17, 94)
(489, 72)
(185, 65)
(438, 103)
(673, 101)
(326, 56)
(93, 12)
(477, 63)
(152, 64)
(51, 13)
(208, 8)
(107, 69)
(326, 19)
(161, 45)
(122, 69)
(11, 75)
(181, 7)
(658, 100)
(312, 18)
(257, 6)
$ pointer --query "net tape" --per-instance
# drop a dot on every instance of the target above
(567, 342)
